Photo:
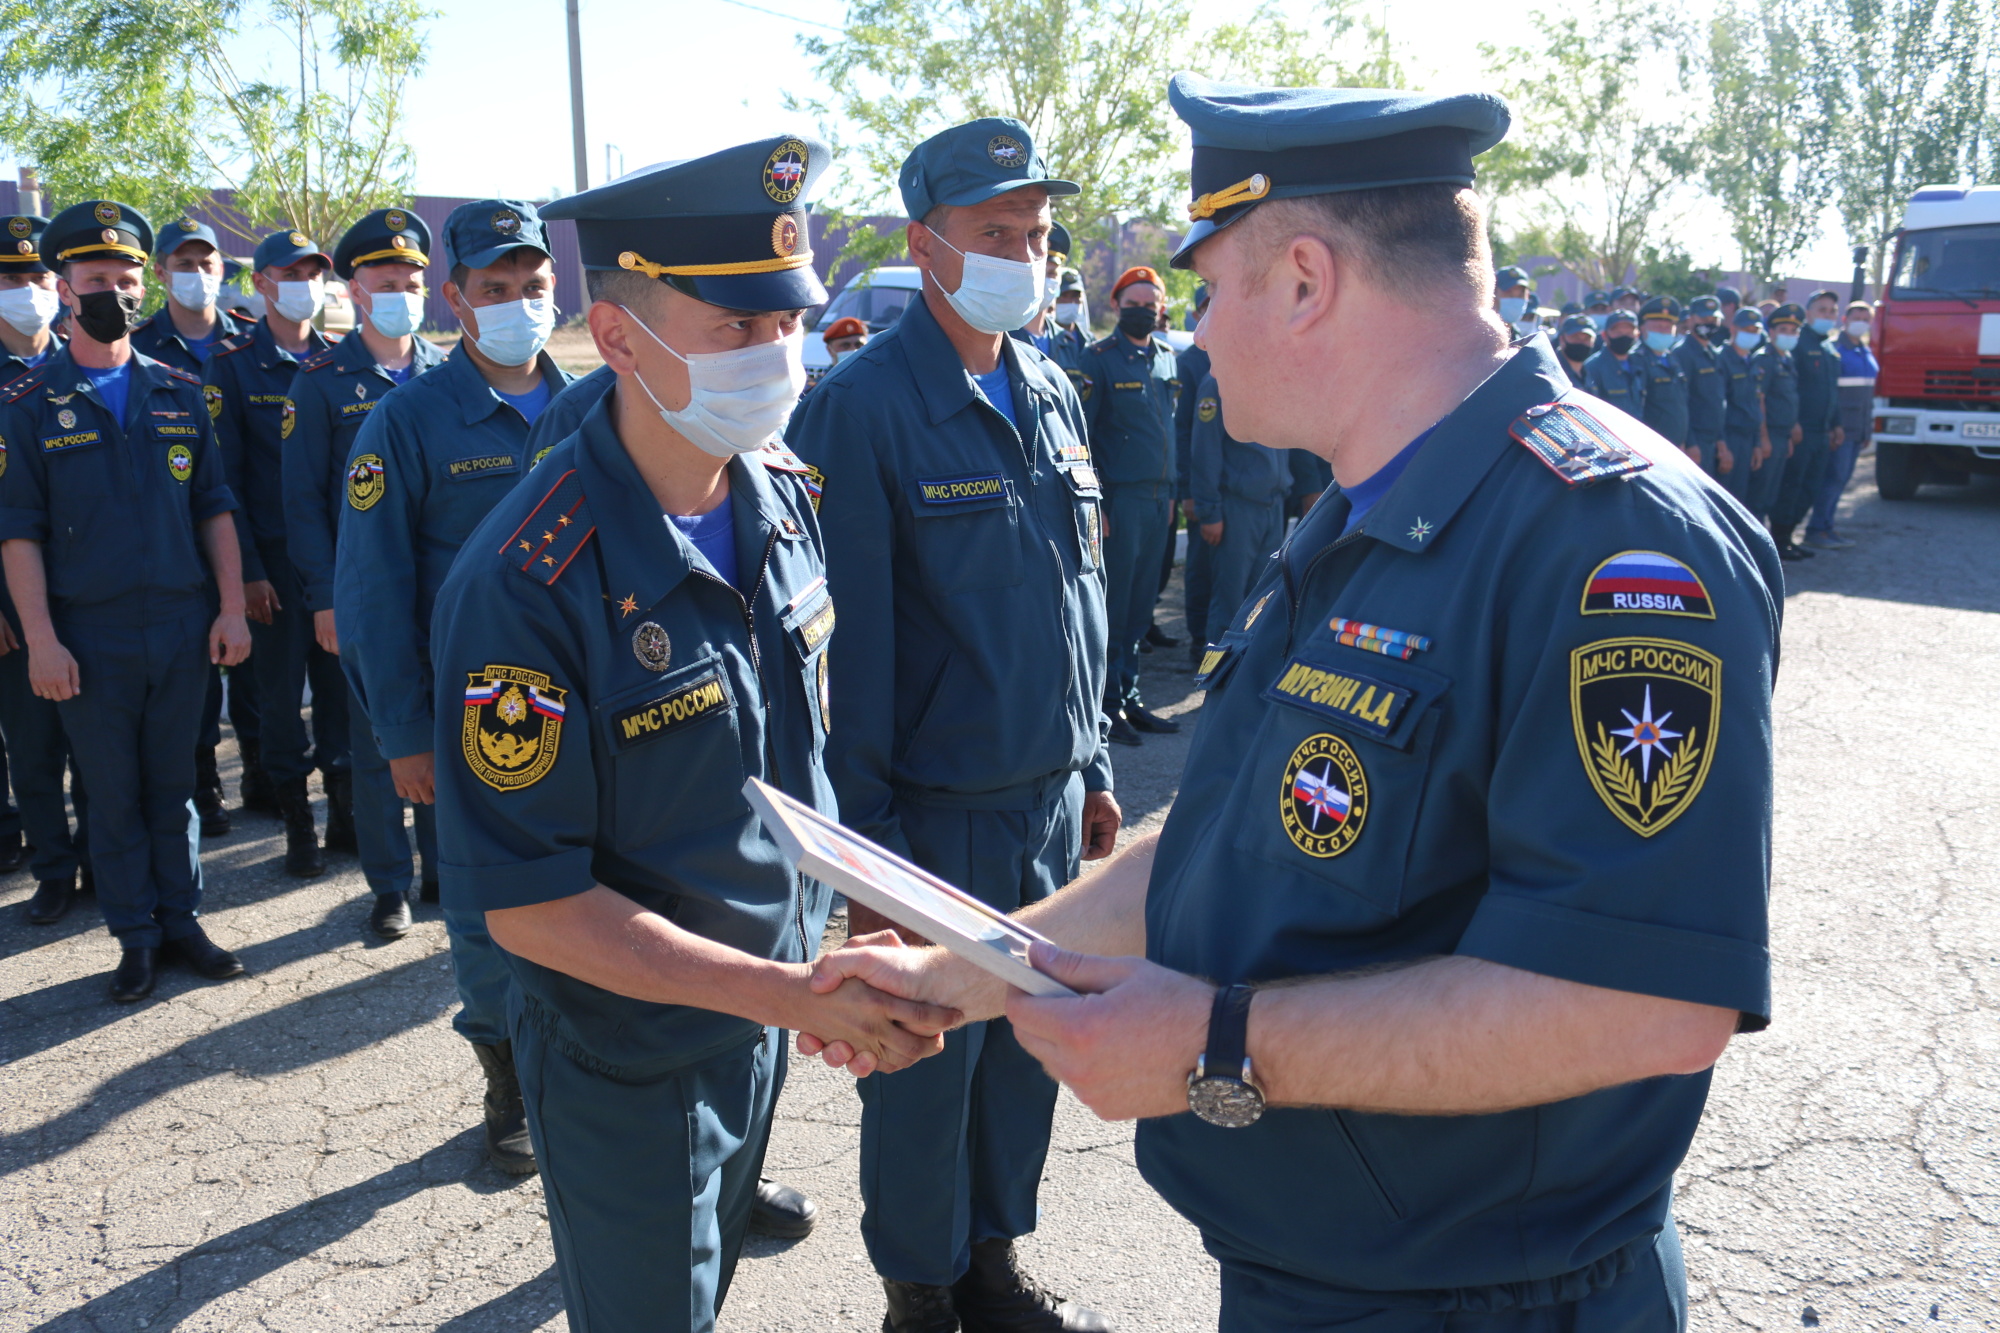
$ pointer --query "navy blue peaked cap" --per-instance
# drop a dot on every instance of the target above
(728, 229)
(1253, 144)
(98, 229)
(21, 246)
(386, 236)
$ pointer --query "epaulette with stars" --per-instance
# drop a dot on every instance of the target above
(780, 459)
(235, 344)
(180, 374)
(1579, 442)
(317, 360)
(1104, 344)
(555, 530)
(14, 390)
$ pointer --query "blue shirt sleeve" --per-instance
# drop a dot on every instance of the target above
(307, 452)
(383, 645)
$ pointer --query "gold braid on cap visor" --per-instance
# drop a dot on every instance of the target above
(632, 259)
(1243, 192)
(102, 247)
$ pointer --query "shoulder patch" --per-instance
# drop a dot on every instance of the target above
(555, 530)
(181, 375)
(235, 344)
(318, 360)
(1646, 581)
(1645, 713)
(513, 725)
(780, 459)
(1103, 344)
(1576, 444)
(21, 386)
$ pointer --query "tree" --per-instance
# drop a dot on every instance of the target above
(1593, 161)
(152, 102)
(1771, 137)
(1088, 78)
(1920, 102)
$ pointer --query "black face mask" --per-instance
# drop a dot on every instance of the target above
(1136, 321)
(107, 316)
(1620, 343)
(1577, 351)
(1715, 333)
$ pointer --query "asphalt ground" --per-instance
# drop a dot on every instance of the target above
(299, 1149)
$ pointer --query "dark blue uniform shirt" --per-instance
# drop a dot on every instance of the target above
(1743, 386)
(965, 547)
(1130, 411)
(1223, 465)
(1781, 393)
(159, 339)
(600, 703)
(1191, 368)
(331, 397)
(247, 383)
(432, 460)
(1707, 393)
(561, 417)
(1666, 393)
(1819, 379)
(1620, 383)
(116, 505)
(1470, 786)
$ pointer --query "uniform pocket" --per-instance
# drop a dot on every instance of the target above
(968, 533)
(676, 754)
(1087, 499)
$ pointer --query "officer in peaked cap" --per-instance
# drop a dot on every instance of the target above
(247, 383)
(1666, 375)
(114, 518)
(1042, 329)
(1512, 296)
(1613, 372)
(1072, 321)
(1701, 358)
(1781, 410)
(1819, 420)
(38, 752)
(1197, 575)
(1731, 300)
(965, 545)
(1418, 835)
(605, 681)
(383, 258)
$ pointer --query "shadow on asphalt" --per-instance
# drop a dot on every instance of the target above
(309, 1030)
(166, 1296)
(1894, 559)
(526, 1307)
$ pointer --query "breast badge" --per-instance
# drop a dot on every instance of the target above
(1645, 713)
(1207, 409)
(212, 395)
(513, 726)
(1325, 798)
(652, 647)
(66, 419)
(366, 482)
(288, 416)
(180, 462)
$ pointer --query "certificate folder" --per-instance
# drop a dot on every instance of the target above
(908, 895)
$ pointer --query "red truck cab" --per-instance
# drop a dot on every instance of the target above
(1937, 337)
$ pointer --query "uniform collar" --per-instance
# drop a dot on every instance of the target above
(940, 374)
(62, 375)
(1462, 449)
(270, 356)
(352, 354)
(643, 560)
(460, 377)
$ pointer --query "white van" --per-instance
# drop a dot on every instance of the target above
(876, 298)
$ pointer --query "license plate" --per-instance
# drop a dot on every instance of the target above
(1980, 430)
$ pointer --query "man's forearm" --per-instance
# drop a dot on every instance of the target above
(1462, 1036)
(27, 582)
(225, 560)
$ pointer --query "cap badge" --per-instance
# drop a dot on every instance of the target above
(108, 236)
(652, 647)
(400, 242)
(785, 171)
(361, 391)
(298, 238)
(106, 213)
(25, 247)
(1006, 151)
(507, 222)
(784, 236)
(188, 224)
(395, 219)
(19, 226)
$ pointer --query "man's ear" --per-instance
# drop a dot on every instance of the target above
(613, 338)
(1310, 270)
(917, 239)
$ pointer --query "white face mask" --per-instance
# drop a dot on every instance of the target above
(1050, 290)
(737, 401)
(1069, 313)
(395, 314)
(29, 309)
(995, 295)
(512, 332)
(299, 300)
(1857, 328)
(1511, 308)
(194, 291)
(1524, 327)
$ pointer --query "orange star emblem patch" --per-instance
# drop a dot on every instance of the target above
(628, 605)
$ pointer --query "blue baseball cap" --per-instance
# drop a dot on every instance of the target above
(283, 248)
(386, 236)
(478, 233)
(179, 232)
(21, 246)
(1747, 317)
(729, 229)
(1510, 277)
(974, 162)
(1578, 324)
(1596, 296)
(1728, 296)
(1620, 316)
(99, 229)
(1253, 144)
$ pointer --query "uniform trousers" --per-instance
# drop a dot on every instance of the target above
(1805, 472)
(1650, 1298)
(1737, 480)
(1138, 526)
(38, 753)
(952, 1148)
(240, 696)
(649, 1178)
(1198, 585)
(1839, 471)
(132, 728)
(1251, 530)
(1768, 481)
(286, 658)
(378, 814)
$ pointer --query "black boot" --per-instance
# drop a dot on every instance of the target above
(138, 970)
(208, 794)
(782, 1211)
(52, 898)
(207, 958)
(390, 915)
(916, 1307)
(302, 854)
(13, 853)
(507, 1143)
(427, 891)
(995, 1296)
(256, 788)
(340, 812)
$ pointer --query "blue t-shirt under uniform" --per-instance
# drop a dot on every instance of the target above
(994, 388)
(529, 404)
(200, 348)
(1362, 496)
(114, 386)
(402, 376)
(713, 535)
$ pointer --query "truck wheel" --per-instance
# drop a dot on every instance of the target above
(1898, 470)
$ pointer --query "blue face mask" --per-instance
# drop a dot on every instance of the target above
(1786, 341)
(1747, 339)
(1601, 320)
(1511, 308)
(1658, 341)
(1825, 326)
(395, 314)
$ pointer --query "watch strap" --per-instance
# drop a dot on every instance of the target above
(1228, 1033)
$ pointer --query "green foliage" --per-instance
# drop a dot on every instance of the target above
(152, 102)
(1595, 157)
(1774, 71)
(1087, 77)
(1666, 270)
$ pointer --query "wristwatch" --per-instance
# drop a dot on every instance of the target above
(1226, 1097)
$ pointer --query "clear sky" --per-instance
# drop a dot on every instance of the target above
(679, 78)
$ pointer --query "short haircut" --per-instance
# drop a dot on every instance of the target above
(622, 287)
(1428, 236)
(1823, 294)
(1862, 306)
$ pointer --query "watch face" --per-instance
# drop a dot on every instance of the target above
(1228, 1102)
